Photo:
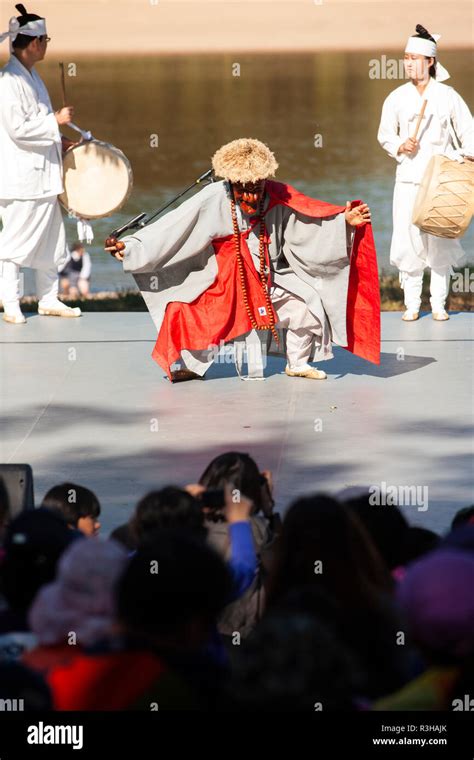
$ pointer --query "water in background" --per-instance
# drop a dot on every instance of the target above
(194, 104)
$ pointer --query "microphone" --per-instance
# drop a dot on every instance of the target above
(132, 224)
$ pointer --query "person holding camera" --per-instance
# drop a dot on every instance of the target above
(239, 472)
(178, 510)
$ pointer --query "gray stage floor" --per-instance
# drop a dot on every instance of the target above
(82, 400)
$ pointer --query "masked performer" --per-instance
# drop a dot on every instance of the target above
(248, 255)
(446, 114)
(31, 174)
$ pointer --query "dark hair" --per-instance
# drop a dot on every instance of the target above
(85, 504)
(292, 662)
(169, 509)
(22, 41)
(77, 246)
(355, 584)
(171, 582)
(424, 34)
(34, 542)
(386, 526)
(241, 471)
(123, 535)
(420, 541)
(462, 537)
(320, 529)
(463, 516)
(17, 681)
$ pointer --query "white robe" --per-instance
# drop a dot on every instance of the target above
(412, 250)
(31, 172)
(30, 141)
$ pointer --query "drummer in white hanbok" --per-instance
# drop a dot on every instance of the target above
(446, 117)
(31, 174)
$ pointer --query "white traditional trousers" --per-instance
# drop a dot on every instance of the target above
(302, 330)
(33, 236)
(412, 284)
(413, 250)
(11, 288)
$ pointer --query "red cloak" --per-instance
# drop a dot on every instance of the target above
(218, 315)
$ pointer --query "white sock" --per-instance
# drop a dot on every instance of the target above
(51, 303)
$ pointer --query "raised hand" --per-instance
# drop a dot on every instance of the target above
(357, 215)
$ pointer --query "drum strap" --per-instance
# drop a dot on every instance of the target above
(452, 133)
(454, 137)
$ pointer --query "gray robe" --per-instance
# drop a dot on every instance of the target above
(173, 260)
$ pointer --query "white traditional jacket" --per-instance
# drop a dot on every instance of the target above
(444, 107)
(30, 141)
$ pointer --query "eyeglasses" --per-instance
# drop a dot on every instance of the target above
(45, 39)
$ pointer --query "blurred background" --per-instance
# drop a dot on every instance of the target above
(307, 78)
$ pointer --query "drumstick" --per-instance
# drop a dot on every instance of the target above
(419, 119)
(63, 84)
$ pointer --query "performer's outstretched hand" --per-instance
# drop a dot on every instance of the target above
(357, 215)
(115, 248)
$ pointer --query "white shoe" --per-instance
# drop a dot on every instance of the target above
(311, 372)
(410, 316)
(59, 310)
(440, 316)
(16, 318)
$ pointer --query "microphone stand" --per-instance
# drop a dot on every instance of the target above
(141, 220)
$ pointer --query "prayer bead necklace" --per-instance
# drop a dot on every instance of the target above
(262, 273)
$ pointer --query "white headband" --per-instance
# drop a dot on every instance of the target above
(420, 46)
(36, 28)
